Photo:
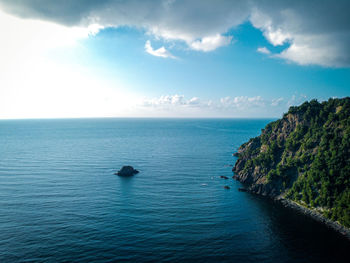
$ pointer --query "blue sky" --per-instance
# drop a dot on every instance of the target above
(253, 65)
(234, 70)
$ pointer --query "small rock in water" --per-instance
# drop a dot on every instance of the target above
(227, 187)
(224, 177)
(127, 171)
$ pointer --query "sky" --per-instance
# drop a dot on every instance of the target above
(170, 58)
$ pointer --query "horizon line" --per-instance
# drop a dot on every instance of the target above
(76, 118)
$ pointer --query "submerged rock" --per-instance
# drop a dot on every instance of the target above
(224, 177)
(127, 171)
(227, 187)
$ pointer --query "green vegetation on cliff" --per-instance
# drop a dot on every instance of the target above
(305, 156)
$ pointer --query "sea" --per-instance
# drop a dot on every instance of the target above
(60, 200)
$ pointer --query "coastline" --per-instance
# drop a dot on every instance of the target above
(344, 231)
(335, 226)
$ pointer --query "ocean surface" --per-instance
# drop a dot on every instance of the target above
(61, 202)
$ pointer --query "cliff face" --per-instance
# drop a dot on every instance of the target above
(261, 154)
(305, 157)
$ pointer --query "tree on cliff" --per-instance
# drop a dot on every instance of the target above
(305, 156)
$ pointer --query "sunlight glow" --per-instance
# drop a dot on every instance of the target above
(33, 85)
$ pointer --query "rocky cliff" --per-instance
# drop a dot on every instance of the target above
(304, 157)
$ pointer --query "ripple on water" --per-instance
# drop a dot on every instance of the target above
(60, 199)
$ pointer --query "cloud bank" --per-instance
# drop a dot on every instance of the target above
(237, 106)
(318, 32)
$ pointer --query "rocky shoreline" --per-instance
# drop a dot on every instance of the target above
(302, 160)
(315, 215)
(344, 231)
(304, 157)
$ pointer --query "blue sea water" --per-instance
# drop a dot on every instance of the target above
(61, 202)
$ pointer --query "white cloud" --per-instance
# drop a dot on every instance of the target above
(194, 101)
(263, 50)
(318, 31)
(170, 100)
(175, 106)
(303, 52)
(276, 102)
(211, 43)
(274, 35)
(242, 102)
(277, 37)
(160, 52)
(239, 106)
(319, 39)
